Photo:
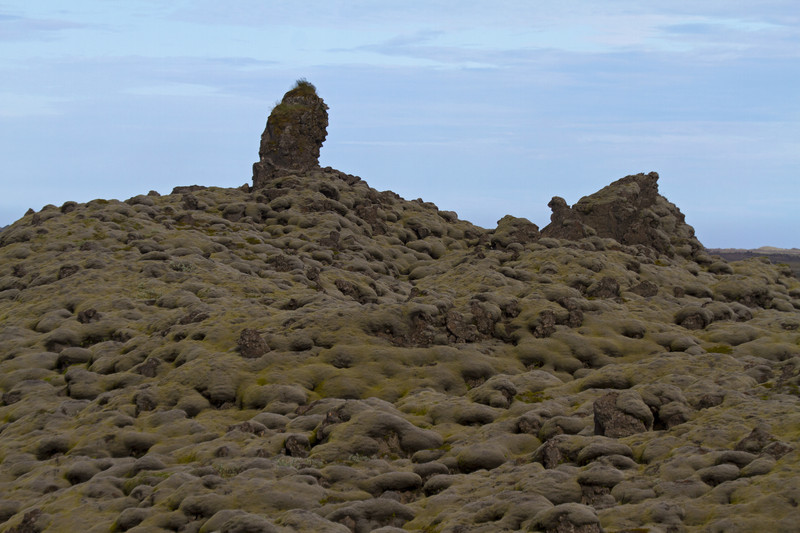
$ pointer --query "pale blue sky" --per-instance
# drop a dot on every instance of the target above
(485, 108)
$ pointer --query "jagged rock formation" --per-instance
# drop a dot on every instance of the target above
(295, 131)
(315, 355)
(630, 211)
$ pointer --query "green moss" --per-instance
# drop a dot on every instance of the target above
(532, 397)
(298, 462)
(190, 457)
(150, 478)
(418, 411)
(181, 266)
(357, 458)
(720, 348)
(145, 293)
(303, 87)
(228, 471)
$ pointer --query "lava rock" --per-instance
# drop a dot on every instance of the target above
(296, 129)
(631, 211)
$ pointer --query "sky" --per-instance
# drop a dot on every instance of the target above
(484, 108)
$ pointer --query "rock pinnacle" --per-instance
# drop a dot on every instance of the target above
(295, 131)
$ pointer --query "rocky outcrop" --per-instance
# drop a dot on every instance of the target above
(296, 129)
(631, 211)
(514, 230)
(621, 414)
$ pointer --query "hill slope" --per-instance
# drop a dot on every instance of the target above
(316, 353)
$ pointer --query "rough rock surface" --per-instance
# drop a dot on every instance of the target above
(295, 131)
(315, 355)
(630, 211)
(621, 415)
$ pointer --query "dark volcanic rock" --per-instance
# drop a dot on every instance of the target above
(645, 288)
(512, 229)
(631, 211)
(295, 131)
(251, 344)
(606, 287)
(569, 518)
(621, 414)
(29, 523)
(761, 441)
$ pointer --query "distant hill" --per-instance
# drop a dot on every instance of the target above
(778, 256)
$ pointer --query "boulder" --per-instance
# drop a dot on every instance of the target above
(251, 344)
(620, 414)
(568, 518)
(514, 230)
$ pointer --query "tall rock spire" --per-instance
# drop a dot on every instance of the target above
(295, 131)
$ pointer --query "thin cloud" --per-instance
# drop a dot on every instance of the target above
(174, 89)
(79, 80)
(16, 105)
(458, 143)
(15, 28)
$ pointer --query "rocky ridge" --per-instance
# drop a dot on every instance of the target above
(310, 354)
